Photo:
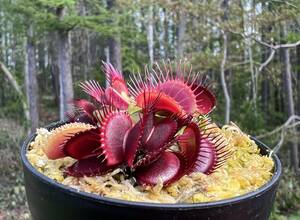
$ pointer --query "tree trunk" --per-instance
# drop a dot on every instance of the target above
(88, 55)
(107, 57)
(31, 81)
(114, 44)
(53, 65)
(84, 44)
(290, 101)
(225, 5)
(150, 32)
(161, 28)
(181, 34)
(223, 80)
(2, 38)
(66, 93)
(6, 43)
(247, 25)
(265, 87)
(265, 84)
(298, 76)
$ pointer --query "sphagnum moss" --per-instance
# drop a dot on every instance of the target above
(246, 170)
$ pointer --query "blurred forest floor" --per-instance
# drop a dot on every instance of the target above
(12, 192)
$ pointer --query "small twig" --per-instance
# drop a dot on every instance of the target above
(279, 144)
(293, 125)
(264, 64)
(262, 42)
(292, 122)
(286, 124)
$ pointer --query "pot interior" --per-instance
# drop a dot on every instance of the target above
(97, 198)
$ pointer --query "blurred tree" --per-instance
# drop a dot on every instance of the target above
(181, 34)
(114, 42)
(287, 75)
(31, 79)
(64, 65)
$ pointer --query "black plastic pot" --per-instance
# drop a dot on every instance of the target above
(49, 200)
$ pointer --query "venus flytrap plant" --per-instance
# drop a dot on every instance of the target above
(156, 128)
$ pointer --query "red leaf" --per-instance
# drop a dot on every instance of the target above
(160, 135)
(115, 79)
(207, 157)
(88, 167)
(142, 144)
(76, 116)
(181, 92)
(131, 143)
(114, 125)
(84, 144)
(115, 98)
(85, 106)
(164, 169)
(83, 111)
(199, 152)
(84, 118)
(148, 124)
(160, 101)
(189, 143)
(59, 136)
(206, 101)
(93, 89)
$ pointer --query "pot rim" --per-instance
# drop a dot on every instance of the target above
(166, 206)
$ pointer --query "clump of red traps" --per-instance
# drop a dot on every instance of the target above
(156, 128)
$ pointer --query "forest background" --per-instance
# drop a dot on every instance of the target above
(249, 49)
